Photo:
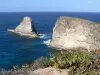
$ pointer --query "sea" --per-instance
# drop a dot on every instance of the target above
(17, 50)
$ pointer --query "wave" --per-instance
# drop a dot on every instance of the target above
(47, 42)
(42, 35)
(45, 36)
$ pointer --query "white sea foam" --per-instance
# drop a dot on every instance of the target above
(45, 36)
(42, 35)
(47, 42)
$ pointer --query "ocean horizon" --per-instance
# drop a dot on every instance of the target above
(17, 50)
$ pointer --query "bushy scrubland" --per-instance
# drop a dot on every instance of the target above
(78, 62)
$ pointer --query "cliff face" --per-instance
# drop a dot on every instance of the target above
(73, 33)
(25, 28)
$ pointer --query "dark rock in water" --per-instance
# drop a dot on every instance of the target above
(25, 28)
(73, 33)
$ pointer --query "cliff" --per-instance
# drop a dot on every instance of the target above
(73, 33)
(25, 28)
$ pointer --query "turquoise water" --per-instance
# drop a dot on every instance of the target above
(16, 50)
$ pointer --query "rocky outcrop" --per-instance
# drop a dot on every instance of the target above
(49, 71)
(25, 28)
(73, 33)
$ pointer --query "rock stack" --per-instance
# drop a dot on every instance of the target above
(25, 28)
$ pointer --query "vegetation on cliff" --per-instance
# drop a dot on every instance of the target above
(78, 62)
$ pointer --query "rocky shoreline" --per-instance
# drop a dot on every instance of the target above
(30, 35)
(70, 34)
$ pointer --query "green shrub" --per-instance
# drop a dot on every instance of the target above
(76, 61)
(92, 73)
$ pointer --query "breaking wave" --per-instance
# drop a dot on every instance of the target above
(47, 42)
(42, 35)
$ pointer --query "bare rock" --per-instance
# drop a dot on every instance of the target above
(49, 71)
(25, 28)
(73, 33)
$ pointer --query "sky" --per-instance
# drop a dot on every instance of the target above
(49, 5)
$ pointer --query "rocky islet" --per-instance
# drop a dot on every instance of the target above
(25, 28)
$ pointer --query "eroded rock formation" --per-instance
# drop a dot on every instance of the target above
(25, 28)
(73, 33)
